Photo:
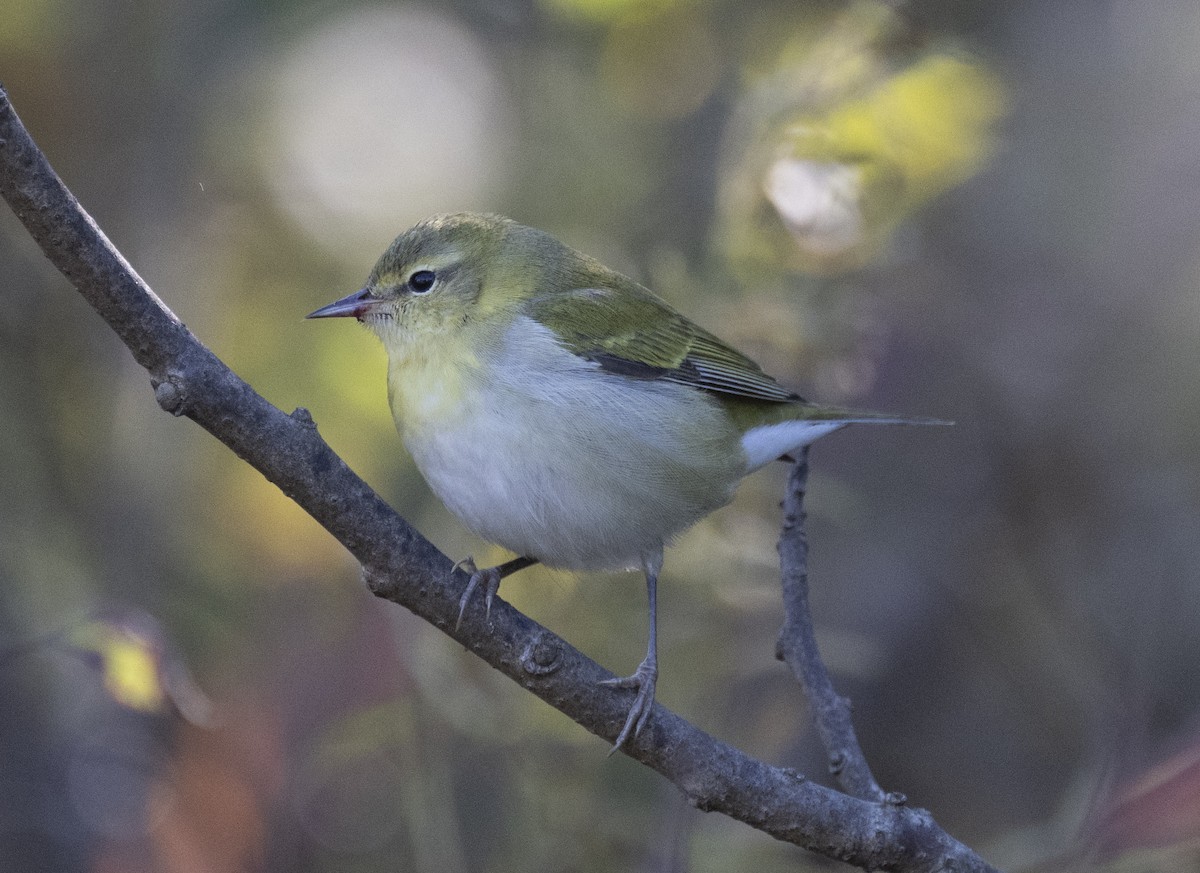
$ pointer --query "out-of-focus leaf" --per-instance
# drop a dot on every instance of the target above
(212, 813)
(841, 182)
(840, 152)
(129, 661)
(33, 23)
(1153, 823)
(611, 11)
(663, 66)
(138, 666)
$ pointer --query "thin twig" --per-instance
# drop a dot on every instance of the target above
(400, 565)
(797, 645)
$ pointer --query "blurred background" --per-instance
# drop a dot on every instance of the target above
(978, 211)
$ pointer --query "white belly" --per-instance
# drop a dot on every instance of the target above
(578, 468)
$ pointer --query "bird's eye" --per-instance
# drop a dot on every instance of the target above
(421, 281)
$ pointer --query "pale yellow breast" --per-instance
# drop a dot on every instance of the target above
(429, 384)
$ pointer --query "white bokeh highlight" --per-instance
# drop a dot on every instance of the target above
(382, 117)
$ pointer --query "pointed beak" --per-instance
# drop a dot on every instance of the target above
(355, 305)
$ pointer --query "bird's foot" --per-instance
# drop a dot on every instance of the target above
(643, 679)
(489, 577)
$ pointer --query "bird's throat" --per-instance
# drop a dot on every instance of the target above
(428, 384)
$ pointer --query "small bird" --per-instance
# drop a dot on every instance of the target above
(562, 410)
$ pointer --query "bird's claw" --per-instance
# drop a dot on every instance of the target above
(643, 679)
(489, 576)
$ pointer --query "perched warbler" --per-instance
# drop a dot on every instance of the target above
(562, 410)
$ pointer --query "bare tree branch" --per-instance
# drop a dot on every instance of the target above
(401, 566)
(797, 645)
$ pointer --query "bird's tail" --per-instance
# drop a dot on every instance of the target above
(804, 423)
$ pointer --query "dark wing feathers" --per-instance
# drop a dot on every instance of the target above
(628, 331)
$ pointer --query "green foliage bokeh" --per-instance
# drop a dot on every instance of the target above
(933, 208)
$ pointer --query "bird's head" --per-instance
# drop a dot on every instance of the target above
(436, 277)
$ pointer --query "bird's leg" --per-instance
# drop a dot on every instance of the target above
(646, 674)
(490, 577)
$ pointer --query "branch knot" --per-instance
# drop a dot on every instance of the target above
(170, 393)
(541, 657)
